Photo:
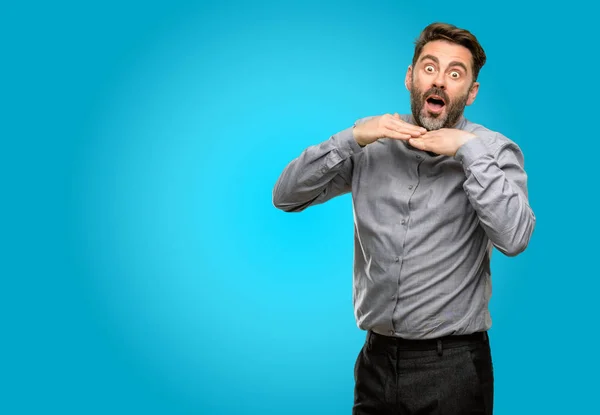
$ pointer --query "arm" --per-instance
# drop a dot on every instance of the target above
(320, 173)
(496, 186)
(324, 171)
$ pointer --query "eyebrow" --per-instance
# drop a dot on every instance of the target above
(451, 64)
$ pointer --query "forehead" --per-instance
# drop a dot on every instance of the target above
(447, 52)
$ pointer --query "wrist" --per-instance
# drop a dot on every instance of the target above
(464, 140)
(471, 151)
(357, 137)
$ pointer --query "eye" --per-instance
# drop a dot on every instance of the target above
(429, 69)
(455, 74)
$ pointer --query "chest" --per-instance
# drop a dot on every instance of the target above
(391, 177)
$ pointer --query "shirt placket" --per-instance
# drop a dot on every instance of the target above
(412, 185)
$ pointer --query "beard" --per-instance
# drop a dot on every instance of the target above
(447, 119)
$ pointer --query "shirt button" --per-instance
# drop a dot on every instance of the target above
(397, 259)
(410, 187)
(418, 157)
(403, 221)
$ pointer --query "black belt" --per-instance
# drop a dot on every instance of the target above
(446, 342)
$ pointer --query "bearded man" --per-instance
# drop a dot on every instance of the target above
(432, 194)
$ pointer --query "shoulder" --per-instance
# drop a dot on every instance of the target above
(494, 140)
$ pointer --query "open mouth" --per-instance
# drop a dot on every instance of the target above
(435, 103)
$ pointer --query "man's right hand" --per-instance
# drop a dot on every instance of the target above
(386, 126)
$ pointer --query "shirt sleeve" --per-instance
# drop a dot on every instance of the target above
(320, 173)
(496, 185)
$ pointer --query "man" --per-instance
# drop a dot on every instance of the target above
(432, 194)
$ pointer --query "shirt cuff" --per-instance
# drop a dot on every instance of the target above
(472, 150)
(345, 142)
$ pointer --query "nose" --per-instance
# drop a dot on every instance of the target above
(440, 80)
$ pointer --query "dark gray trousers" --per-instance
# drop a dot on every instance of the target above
(448, 376)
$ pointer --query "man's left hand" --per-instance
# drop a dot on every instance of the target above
(444, 141)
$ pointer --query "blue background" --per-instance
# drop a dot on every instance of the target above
(144, 268)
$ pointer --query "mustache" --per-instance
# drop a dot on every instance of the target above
(437, 91)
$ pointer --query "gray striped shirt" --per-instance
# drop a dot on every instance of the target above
(425, 224)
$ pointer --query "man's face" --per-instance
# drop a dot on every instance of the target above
(441, 84)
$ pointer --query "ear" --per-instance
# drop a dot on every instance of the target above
(473, 93)
(408, 78)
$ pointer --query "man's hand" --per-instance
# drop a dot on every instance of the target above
(444, 141)
(385, 126)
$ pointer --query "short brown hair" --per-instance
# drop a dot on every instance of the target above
(453, 34)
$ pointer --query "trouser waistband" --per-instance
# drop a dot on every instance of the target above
(445, 342)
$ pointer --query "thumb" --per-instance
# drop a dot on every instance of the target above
(417, 143)
(397, 116)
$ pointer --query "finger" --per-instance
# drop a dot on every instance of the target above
(397, 135)
(404, 124)
(412, 132)
(430, 134)
(417, 143)
(404, 131)
(407, 128)
(397, 116)
(417, 134)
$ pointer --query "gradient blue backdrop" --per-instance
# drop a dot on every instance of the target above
(144, 268)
